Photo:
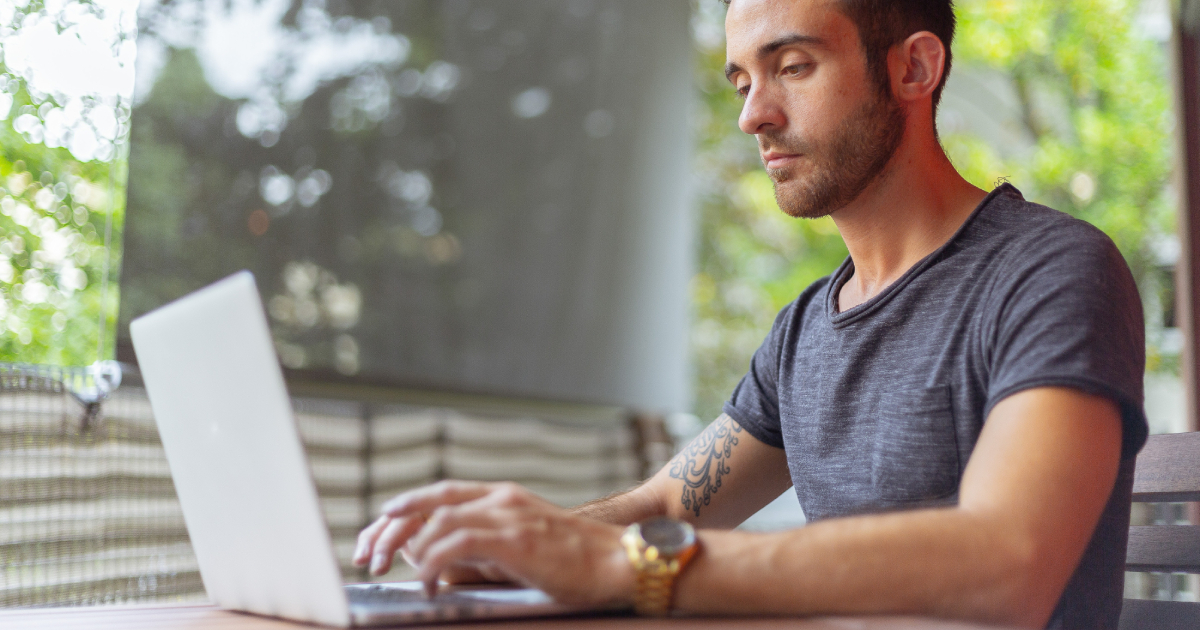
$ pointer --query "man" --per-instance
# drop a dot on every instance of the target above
(958, 406)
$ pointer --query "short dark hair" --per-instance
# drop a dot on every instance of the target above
(885, 23)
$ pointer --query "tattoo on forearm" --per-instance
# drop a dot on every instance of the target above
(704, 461)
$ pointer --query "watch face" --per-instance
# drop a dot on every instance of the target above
(667, 534)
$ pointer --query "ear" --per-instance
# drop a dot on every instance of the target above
(916, 66)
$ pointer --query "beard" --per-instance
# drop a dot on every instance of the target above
(841, 170)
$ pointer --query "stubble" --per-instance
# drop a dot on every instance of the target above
(841, 170)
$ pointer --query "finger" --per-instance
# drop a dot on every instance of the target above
(394, 535)
(472, 574)
(428, 498)
(464, 546)
(493, 573)
(504, 502)
(478, 573)
(463, 573)
(366, 540)
(381, 560)
(446, 520)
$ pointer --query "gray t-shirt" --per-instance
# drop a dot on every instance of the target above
(880, 406)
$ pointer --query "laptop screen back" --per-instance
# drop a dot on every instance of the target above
(236, 458)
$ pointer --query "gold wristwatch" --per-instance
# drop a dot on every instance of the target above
(658, 548)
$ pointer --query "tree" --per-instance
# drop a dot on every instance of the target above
(61, 191)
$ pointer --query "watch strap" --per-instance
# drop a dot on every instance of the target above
(655, 574)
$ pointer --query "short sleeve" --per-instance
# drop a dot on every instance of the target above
(754, 403)
(1069, 314)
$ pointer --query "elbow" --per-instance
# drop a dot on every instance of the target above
(1028, 585)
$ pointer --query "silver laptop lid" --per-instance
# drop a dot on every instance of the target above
(235, 454)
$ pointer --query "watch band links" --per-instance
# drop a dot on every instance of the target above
(656, 574)
(654, 590)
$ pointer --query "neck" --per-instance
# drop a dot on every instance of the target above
(915, 205)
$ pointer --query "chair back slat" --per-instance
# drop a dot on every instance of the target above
(1150, 614)
(1167, 548)
(1168, 469)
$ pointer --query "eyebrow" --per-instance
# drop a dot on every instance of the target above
(774, 45)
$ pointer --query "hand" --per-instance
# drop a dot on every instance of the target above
(387, 535)
(501, 529)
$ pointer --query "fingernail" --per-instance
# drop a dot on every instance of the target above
(377, 563)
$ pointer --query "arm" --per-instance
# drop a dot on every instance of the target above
(1032, 493)
(1030, 498)
(719, 479)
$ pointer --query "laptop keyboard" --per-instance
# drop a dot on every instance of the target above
(411, 593)
(383, 594)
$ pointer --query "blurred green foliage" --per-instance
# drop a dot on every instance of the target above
(54, 211)
(1095, 124)
(52, 256)
(1095, 107)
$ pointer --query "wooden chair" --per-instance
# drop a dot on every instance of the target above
(1168, 471)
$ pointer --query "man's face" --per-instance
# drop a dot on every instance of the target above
(825, 129)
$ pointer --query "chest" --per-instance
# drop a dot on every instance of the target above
(882, 412)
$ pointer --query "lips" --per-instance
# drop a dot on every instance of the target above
(778, 159)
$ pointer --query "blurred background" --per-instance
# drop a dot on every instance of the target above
(493, 238)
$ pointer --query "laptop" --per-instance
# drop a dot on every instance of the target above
(248, 496)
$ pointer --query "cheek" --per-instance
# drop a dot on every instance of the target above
(820, 110)
(814, 116)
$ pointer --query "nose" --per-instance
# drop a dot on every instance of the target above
(761, 111)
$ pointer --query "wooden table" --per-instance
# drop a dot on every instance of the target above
(197, 617)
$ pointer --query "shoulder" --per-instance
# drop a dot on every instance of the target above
(1031, 235)
(1046, 265)
(1063, 309)
(1029, 246)
(1052, 273)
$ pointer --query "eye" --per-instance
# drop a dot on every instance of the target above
(795, 69)
(742, 90)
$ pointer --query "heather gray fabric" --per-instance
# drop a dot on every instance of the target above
(879, 407)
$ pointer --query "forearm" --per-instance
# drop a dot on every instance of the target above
(718, 480)
(944, 563)
(723, 456)
(623, 508)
